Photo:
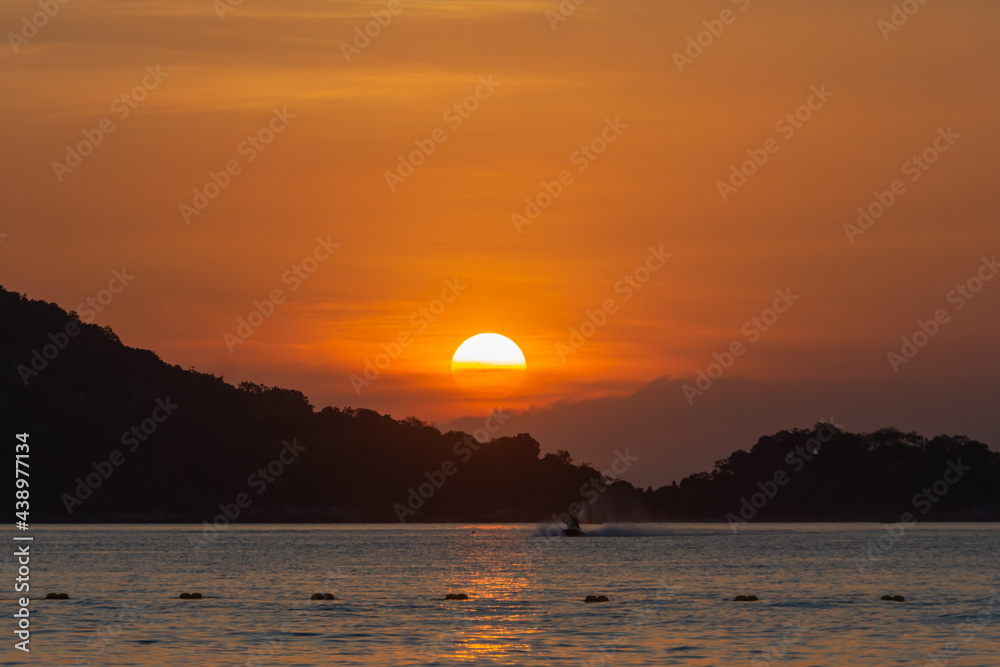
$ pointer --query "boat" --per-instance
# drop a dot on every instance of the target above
(572, 528)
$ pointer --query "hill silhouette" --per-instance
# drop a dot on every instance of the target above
(117, 434)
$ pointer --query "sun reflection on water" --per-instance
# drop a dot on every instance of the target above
(499, 621)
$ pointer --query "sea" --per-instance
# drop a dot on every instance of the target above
(670, 591)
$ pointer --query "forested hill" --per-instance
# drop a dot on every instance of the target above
(116, 434)
(826, 474)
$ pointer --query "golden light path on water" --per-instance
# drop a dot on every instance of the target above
(502, 625)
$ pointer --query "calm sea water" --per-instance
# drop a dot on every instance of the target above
(670, 587)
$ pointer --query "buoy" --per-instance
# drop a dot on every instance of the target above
(898, 598)
(596, 598)
(603, 598)
(185, 596)
(316, 596)
(196, 596)
(328, 596)
(887, 597)
(456, 596)
(190, 596)
(62, 596)
(740, 598)
(751, 598)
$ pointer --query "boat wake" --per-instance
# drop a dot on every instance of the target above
(628, 530)
(613, 530)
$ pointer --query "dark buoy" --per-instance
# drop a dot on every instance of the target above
(603, 598)
(52, 596)
(185, 596)
(456, 596)
(887, 597)
(740, 598)
(316, 596)
(596, 598)
(328, 596)
(62, 596)
(751, 598)
(898, 598)
(196, 596)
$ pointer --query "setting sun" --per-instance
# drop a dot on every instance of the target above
(489, 349)
(488, 365)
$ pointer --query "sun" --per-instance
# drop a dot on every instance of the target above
(488, 365)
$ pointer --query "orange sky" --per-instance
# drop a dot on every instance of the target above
(656, 184)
